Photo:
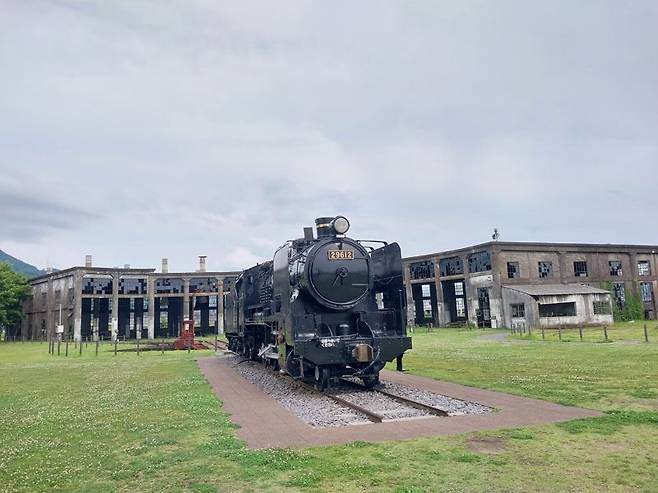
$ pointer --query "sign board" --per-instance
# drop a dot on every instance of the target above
(59, 329)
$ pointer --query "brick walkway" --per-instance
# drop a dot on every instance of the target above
(265, 423)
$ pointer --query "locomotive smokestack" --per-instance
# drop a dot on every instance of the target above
(202, 263)
(323, 227)
(165, 265)
(88, 261)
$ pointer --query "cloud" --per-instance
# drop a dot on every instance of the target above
(146, 129)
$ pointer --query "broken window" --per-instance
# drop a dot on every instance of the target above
(422, 270)
(643, 268)
(513, 270)
(518, 310)
(461, 307)
(203, 285)
(97, 285)
(646, 291)
(620, 294)
(601, 308)
(557, 310)
(167, 285)
(545, 269)
(479, 262)
(459, 289)
(580, 269)
(452, 266)
(425, 290)
(129, 285)
(615, 268)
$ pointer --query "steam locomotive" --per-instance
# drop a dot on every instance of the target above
(326, 306)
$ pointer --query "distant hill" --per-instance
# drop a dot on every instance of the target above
(20, 266)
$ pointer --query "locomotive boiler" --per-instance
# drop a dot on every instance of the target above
(326, 306)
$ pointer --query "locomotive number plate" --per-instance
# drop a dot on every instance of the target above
(340, 254)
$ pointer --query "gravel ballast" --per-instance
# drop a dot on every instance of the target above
(318, 410)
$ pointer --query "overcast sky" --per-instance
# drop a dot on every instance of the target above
(136, 130)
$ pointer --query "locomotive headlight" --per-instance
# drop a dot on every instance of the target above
(341, 225)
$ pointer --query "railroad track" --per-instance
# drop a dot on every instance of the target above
(373, 415)
(436, 411)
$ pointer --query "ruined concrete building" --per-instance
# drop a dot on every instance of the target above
(495, 284)
(101, 302)
(529, 284)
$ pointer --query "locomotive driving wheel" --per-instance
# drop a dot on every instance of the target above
(322, 376)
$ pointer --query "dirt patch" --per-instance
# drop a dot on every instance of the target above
(486, 445)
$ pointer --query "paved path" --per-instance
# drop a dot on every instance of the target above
(265, 423)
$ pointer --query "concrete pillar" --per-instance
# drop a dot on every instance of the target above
(50, 304)
(186, 299)
(114, 329)
(220, 305)
(77, 306)
(411, 310)
(150, 315)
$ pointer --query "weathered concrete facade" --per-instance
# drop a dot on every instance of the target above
(101, 302)
(466, 285)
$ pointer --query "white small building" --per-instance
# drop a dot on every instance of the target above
(555, 305)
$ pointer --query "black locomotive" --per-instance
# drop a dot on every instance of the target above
(325, 307)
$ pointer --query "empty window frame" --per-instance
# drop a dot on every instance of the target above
(545, 269)
(452, 266)
(422, 270)
(553, 310)
(580, 268)
(619, 291)
(601, 308)
(427, 309)
(646, 291)
(513, 270)
(518, 310)
(479, 262)
(643, 268)
(459, 289)
(615, 268)
(461, 307)
(425, 291)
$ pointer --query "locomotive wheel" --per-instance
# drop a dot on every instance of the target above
(292, 365)
(322, 375)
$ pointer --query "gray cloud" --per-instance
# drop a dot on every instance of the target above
(26, 217)
(223, 128)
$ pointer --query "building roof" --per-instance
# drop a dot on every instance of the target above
(538, 246)
(128, 272)
(555, 289)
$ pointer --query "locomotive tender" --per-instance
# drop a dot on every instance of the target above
(324, 307)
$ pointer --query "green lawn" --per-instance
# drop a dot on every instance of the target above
(151, 423)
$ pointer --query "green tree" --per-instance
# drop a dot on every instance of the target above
(13, 289)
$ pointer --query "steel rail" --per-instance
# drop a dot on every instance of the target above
(372, 416)
(404, 400)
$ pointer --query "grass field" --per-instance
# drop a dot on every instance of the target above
(151, 423)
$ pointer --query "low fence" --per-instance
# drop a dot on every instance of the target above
(583, 333)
